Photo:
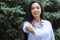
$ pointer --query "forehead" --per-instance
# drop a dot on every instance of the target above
(35, 4)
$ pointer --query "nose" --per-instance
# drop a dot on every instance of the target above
(35, 9)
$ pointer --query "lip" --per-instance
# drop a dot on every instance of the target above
(35, 13)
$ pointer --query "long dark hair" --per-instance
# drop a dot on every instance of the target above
(28, 16)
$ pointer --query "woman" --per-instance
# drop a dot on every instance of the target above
(35, 26)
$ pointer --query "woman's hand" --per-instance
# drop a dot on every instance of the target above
(29, 28)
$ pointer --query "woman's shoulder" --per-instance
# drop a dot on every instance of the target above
(46, 21)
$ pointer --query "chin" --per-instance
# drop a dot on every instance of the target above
(36, 16)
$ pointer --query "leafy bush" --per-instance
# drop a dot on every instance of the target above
(10, 20)
(57, 34)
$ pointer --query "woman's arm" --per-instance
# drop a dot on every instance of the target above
(52, 32)
(27, 28)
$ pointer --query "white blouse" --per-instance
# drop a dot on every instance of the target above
(43, 32)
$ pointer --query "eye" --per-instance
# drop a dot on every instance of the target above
(38, 7)
(32, 8)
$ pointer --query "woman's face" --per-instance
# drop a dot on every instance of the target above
(36, 10)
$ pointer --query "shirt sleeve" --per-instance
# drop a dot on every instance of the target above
(51, 32)
(24, 26)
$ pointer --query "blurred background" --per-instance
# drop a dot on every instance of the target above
(12, 13)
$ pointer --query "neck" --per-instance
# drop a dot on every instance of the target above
(37, 19)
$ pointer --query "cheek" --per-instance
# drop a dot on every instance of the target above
(39, 11)
(32, 11)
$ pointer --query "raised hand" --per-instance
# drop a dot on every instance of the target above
(30, 28)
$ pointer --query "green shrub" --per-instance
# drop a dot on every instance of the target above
(57, 34)
(10, 20)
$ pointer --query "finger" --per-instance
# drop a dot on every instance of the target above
(32, 24)
(32, 31)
